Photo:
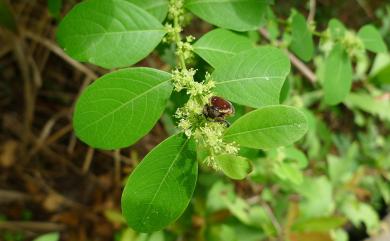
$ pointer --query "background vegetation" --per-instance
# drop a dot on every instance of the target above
(333, 185)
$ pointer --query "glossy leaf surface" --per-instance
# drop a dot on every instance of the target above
(109, 33)
(268, 127)
(160, 188)
(121, 107)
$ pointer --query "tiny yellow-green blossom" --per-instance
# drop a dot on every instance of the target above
(191, 120)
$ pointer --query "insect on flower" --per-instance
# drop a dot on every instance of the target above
(218, 109)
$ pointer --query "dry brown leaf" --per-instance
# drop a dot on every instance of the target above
(8, 153)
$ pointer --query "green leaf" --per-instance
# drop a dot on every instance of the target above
(302, 39)
(48, 237)
(121, 107)
(380, 71)
(109, 33)
(254, 77)
(7, 18)
(370, 104)
(320, 224)
(372, 39)
(54, 7)
(336, 28)
(220, 44)
(337, 76)
(268, 127)
(157, 8)
(359, 212)
(160, 188)
(235, 167)
(317, 196)
(288, 171)
(239, 15)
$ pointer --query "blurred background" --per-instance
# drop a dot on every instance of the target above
(52, 183)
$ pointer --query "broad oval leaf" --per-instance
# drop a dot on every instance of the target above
(109, 33)
(121, 107)
(302, 39)
(160, 188)
(337, 76)
(336, 28)
(235, 167)
(157, 8)
(239, 15)
(254, 77)
(372, 39)
(268, 127)
(218, 45)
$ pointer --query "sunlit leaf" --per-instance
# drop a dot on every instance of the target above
(302, 39)
(268, 127)
(109, 33)
(160, 188)
(254, 77)
(337, 76)
(239, 15)
(220, 44)
(372, 39)
(48, 237)
(235, 167)
(157, 8)
(121, 107)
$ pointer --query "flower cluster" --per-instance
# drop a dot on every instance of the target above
(191, 119)
(210, 135)
(190, 115)
(352, 43)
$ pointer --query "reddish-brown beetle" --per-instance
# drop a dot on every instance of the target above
(218, 109)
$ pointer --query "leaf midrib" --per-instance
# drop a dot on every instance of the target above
(118, 33)
(248, 78)
(163, 180)
(215, 50)
(262, 129)
(217, 1)
(121, 106)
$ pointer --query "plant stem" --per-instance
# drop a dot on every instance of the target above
(176, 25)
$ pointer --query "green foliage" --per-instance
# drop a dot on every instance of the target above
(337, 76)
(157, 8)
(330, 171)
(302, 39)
(160, 188)
(121, 107)
(336, 28)
(54, 7)
(7, 18)
(48, 237)
(104, 31)
(259, 73)
(372, 39)
(218, 45)
(235, 167)
(238, 15)
(268, 127)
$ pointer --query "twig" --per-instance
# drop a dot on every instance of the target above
(88, 160)
(32, 226)
(58, 51)
(117, 165)
(312, 12)
(273, 218)
(9, 196)
(306, 71)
